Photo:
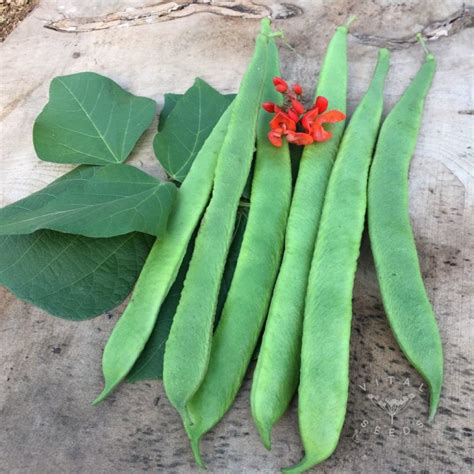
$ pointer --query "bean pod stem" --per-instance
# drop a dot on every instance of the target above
(324, 377)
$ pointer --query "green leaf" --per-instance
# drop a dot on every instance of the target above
(90, 119)
(94, 201)
(72, 276)
(187, 126)
(170, 103)
(239, 230)
(149, 366)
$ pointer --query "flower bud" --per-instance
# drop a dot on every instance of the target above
(269, 107)
(280, 84)
(297, 89)
(321, 104)
(297, 106)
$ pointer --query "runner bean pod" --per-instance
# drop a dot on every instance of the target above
(404, 296)
(247, 302)
(161, 267)
(188, 347)
(276, 374)
(324, 376)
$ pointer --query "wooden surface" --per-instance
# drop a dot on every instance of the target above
(50, 368)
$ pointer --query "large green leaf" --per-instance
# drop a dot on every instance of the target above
(90, 119)
(94, 201)
(187, 126)
(170, 102)
(72, 276)
(149, 365)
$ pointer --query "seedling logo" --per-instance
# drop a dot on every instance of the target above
(391, 406)
(389, 415)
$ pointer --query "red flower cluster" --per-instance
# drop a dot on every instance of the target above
(287, 118)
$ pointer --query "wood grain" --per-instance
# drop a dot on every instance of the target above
(50, 368)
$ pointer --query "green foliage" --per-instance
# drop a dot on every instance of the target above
(94, 201)
(72, 276)
(170, 103)
(186, 127)
(90, 119)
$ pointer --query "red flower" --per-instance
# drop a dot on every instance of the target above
(287, 117)
(280, 125)
(282, 120)
(313, 121)
(293, 115)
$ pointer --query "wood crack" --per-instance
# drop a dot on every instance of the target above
(450, 26)
(166, 11)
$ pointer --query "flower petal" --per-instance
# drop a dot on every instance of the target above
(319, 134)
(331, 116)
(293, 115)
(275, 138)
(308, 118)
(299, 138)
(281, 120)
(297, 106)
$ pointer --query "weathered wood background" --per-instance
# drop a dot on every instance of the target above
(50, 369)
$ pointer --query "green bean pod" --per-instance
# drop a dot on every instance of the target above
(188, 347)
(134, 327)
(276, 374)
(404, 296)
(249, 295)
(324, 377)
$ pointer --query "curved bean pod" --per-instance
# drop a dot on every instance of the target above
(189, 342)
(276, 374)
(324, 377)
(404, 296)
(247, 302)
(134, 327)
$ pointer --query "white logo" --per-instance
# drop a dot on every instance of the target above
(391, 406)
(380, 394)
